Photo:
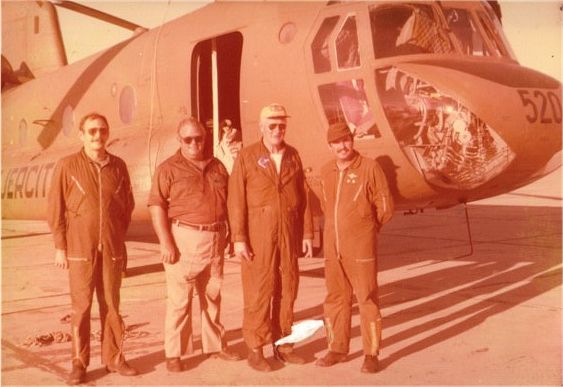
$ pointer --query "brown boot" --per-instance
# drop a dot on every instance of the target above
(257, 361)
(371, 364)
(123, 369)
(78, 373)
(330, 359)
(288, 357)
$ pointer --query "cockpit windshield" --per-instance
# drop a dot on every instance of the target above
(407, 29)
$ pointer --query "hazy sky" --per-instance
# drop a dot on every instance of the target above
(533, 28)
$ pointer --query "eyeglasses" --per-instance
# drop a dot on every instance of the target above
(274, 126)
(188, 140)
(93, 131)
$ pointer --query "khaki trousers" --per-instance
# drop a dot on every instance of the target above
(200, 269)
(343, 278)
(102, 274)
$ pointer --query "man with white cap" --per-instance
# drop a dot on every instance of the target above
(270, 223)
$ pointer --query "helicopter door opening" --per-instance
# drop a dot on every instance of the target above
(215, 93)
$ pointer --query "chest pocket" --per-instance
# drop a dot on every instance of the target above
(290, 167)
(357, 197)
(218, 181)
(76, 197)
(185, 186)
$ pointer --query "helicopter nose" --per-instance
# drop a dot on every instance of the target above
(465, 123)
(539, 116)
(524, 108)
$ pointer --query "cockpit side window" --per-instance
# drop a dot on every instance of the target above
(489, 29)
(346, 101)
(461, 24)
(335, 49)
(320, 46)
(406, 30)
(347, 50)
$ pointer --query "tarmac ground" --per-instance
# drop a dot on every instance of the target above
(492, 317)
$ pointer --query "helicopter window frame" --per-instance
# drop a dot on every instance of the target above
(473, 44)
(348, 89)
(489, 29)
(322, 63)
(339, 43)
(424, 23)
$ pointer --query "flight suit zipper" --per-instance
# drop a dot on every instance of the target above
(279, 199)
(99, 169)
(336, 203)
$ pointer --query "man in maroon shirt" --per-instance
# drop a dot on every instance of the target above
(189, 214)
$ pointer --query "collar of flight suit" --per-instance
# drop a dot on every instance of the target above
(108, 161)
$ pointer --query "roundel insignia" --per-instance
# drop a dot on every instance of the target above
(264, 161)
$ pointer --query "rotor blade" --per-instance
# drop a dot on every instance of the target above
(97, 14)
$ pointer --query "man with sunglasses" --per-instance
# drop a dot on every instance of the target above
(270, 224)
(89, 210)
(188, 205)
(356, 203)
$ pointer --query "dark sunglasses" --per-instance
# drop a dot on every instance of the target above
(93, 131)
(188, 140)
(274, 126)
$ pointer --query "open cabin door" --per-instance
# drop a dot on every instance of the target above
(215, 87)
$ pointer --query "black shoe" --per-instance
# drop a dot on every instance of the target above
(123, 369)
(371, 364)
(78, 373)
(257, 361)
(173, 364)
(330, 359)
(225, 354)
(288, 357)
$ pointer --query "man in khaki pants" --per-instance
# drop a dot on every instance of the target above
(356, 203)
(189, 214)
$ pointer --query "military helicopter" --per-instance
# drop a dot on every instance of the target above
(431, 89)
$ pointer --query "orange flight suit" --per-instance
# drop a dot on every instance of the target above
(89, 211)
(356, 203)
(270, 212)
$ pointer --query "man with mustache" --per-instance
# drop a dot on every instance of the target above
(89, 211)
(356, 203)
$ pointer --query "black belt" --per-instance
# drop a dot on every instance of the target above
(213, 227)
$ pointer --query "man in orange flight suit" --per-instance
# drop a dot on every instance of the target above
(356, 202)
(270, 223)
(89, 210)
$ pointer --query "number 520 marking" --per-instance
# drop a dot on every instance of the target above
(545, 106)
